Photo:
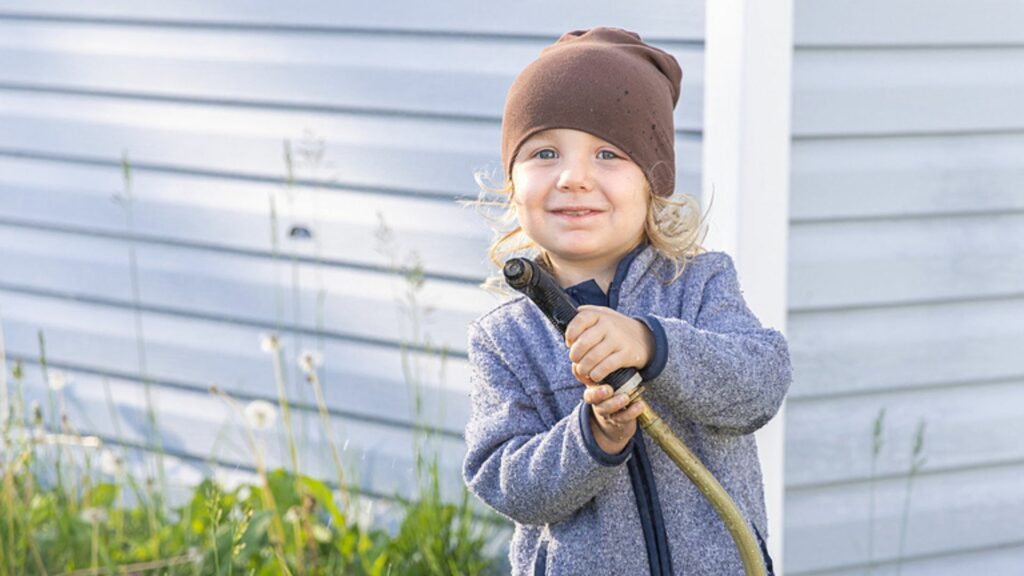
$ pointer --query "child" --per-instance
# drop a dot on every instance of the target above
(587, 147)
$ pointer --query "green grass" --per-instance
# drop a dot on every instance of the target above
(917, 461)
(284, 523)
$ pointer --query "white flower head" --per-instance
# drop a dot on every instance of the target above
(223, 480)
(322, 533)
(94, 515)
(195, 555)
(292, 515)
(269, 343)
(310, 360)
(111, 463)
(244, 493)
(58, 380)
(260, 414)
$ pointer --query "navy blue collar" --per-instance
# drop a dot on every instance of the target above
(589, 292)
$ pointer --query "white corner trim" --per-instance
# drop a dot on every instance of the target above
(746, 147)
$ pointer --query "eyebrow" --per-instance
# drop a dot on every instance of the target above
(548, 138)
(536, 139)
(532, 143)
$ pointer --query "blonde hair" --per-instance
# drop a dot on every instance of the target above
(674, 227)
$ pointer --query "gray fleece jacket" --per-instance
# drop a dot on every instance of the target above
(717, 376)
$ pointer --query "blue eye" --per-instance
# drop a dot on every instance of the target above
(540, 154)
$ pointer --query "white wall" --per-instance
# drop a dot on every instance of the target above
(906, 287)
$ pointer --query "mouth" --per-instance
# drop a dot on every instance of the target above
(575, 213)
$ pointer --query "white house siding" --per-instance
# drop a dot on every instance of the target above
(907, 287)
(406, 99)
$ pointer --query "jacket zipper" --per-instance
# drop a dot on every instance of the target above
(645, 482)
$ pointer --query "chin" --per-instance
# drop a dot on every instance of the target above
(577, 252)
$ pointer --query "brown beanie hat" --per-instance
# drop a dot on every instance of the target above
(605, 81)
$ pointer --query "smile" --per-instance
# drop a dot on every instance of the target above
(576, 213)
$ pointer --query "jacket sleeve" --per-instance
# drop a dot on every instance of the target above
(725, 370)
(515, 463)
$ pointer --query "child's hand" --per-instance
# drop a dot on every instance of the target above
(601, 341)
(612, 426)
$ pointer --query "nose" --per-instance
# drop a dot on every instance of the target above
(576, 176)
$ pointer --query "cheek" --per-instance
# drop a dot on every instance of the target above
(525, 200)
(644, 207)
(633, 207)
(642, 201)
(519, 205)
(525, 213)
(532, 226)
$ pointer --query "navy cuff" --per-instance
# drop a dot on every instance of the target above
(660, 357)
(590, 442)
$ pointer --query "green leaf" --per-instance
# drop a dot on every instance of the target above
(323, 496)
(282, 487)
(102, 495)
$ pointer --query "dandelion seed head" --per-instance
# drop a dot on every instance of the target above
(222, 479)
(58, 380)
(260, 414)
(94, 515)
(269, 343)
(310, 360)
(111, 463)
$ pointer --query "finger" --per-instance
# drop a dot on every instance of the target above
(611, 406)
(624, 417)
(595, 356)
(609, 364)
(586, 342)
(582, 377)
(585, 318)
(597, 394)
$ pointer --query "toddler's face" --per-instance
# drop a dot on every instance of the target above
(579, 197)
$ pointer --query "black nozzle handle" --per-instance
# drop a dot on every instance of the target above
(528, 277)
